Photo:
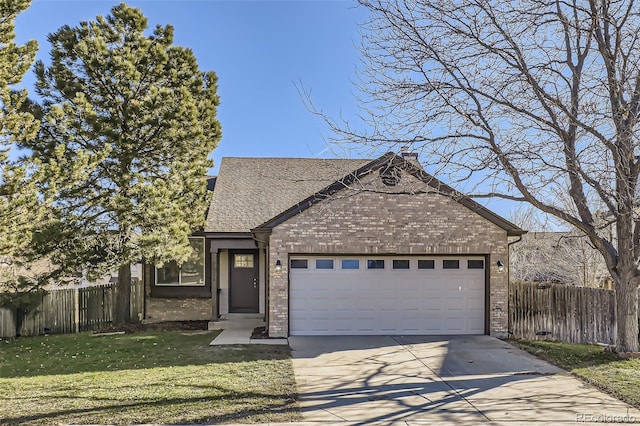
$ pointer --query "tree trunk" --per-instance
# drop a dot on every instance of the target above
(123, 296)
(18, 319)
(627, 314)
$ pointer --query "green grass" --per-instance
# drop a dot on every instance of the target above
(160, 377)
(605, 370)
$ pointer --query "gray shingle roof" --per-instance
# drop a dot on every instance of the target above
(250, 191)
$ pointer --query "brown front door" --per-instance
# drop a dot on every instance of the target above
(243, 281)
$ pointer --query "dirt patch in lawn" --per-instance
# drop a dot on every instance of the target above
(156, 326)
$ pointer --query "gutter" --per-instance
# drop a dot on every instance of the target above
(261, 235)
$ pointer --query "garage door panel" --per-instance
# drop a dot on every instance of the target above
(386, 301)
(413, 304)
(343, 303)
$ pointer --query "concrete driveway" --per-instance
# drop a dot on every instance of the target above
(449, 380)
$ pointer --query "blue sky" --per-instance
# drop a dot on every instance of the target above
(260, 51)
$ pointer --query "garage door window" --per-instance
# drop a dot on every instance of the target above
(350, 264)
(401, 264)
(426, 264)
(324, 263)
(299, 264)
(375, 264)
(475, 264)
(451, 264)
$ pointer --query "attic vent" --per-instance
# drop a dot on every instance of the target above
(390, 175)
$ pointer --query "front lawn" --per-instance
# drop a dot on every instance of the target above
(160, 377)
(605, 370)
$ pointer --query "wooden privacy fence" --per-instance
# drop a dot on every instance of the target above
(561, 312)
(72, 310)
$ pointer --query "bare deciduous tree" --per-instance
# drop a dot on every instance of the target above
(557, 256)
(520, 100)
(552, 252)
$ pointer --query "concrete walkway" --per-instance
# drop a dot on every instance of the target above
(242, 336)
(428, 380)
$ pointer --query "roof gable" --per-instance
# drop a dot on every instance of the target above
(385, 162)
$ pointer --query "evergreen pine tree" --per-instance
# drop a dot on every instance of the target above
(141, 114)
(18, 201)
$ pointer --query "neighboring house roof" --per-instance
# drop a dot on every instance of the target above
(385, 161)
(553, 238)
(250, 191)
(211, 182)
(565, 256)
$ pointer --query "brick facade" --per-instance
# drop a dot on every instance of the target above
(371, 218)
(178, 309)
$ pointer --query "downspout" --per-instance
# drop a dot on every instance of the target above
(509, 325)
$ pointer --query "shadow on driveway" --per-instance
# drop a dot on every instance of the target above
(365, 379)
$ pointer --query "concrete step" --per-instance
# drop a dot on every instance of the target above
(237, 321)
(234, 325)
(234, 316)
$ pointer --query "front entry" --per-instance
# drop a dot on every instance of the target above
(243, 281)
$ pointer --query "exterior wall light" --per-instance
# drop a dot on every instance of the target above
(500, 266)
(278, 265)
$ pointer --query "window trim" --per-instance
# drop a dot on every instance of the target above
(433, 264)
(305, 268)
(450, 268)
(393, 264)
(384, 265)
(180, 284)
(481, 264)
(253, 260)
(333, 264)
(352, 260)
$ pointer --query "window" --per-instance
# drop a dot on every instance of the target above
(243, 261)
(324, 263)
(375, 264)
(401, 264)
(475, 264)
(350, 264)
(299, 264)
(426, 264)
(191, 272)
(450, 264)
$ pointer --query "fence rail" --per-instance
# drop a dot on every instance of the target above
(72, 310)
(536, 312)
(561, 312)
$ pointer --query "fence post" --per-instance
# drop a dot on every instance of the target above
(76, 314)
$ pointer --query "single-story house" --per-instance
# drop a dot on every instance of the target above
(340, 247)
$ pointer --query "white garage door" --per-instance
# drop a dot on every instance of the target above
(386, 295)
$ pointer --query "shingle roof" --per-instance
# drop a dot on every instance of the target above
(408, 166)
(250, 191)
